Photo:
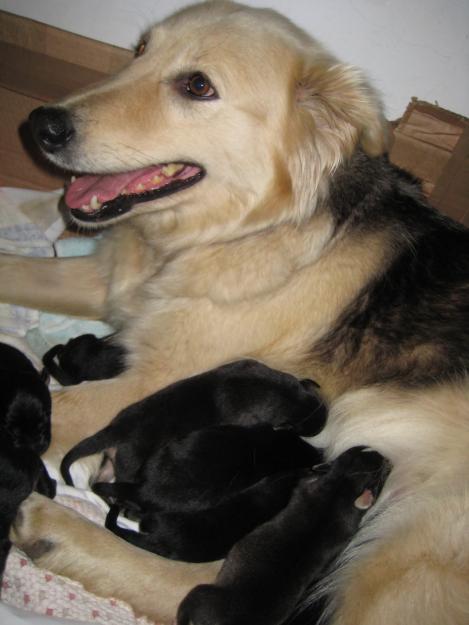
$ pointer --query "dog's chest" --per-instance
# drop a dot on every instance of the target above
(213, 304)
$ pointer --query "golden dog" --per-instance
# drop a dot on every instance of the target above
(254, 215)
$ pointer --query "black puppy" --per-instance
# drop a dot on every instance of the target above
(199, 495)
(85, 358)
(266, 573)
(25, 407)
(206, 466)
(245, 392)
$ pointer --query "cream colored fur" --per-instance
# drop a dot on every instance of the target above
(417, 567)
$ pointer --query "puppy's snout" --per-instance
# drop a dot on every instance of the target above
(52, 127)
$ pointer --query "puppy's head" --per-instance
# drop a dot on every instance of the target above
(25, 402)
(27, 418)
(229, 119)
(248, 392)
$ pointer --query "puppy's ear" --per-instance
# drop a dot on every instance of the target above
(336, 111)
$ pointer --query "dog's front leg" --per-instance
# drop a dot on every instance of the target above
(72, 286)
(79, 411)
(66, 543)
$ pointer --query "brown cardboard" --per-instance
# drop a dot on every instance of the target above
(41, 76)
(39, 64)
(451, 193)
(60, 44)
(433, 144)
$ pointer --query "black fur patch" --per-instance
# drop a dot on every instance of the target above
(411, 323)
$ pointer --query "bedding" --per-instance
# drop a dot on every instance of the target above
(30, 225)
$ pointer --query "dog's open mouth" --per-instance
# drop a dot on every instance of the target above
(98, 198)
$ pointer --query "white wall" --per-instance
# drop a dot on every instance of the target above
(408, 47)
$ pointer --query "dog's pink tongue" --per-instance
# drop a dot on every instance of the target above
(105, 188)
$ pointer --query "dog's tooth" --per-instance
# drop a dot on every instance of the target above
(85, 207)
(95, 203)
(172, 168)
(73, 178)
(140, 187)
(156, 179)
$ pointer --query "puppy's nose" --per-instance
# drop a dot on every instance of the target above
(52, 127)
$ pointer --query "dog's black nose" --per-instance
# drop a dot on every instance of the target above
(52, 127)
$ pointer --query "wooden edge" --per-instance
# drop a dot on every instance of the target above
(60, 44)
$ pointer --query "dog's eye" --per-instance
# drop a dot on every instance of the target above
(199, 86)
(140, 49)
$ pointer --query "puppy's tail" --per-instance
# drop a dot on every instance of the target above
(87, 447)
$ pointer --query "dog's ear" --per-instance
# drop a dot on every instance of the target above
(337, 111)
(343, 104)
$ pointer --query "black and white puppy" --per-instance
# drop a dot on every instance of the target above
(25, 407)
(245, 392)
(197, 496)
(85, 357)
(266, 573)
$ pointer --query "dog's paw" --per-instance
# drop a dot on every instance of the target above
(33, 528)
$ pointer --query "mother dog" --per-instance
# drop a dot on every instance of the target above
(253, 214)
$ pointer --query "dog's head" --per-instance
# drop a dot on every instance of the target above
(229, 119)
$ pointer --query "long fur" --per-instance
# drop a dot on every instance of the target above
(301, 247)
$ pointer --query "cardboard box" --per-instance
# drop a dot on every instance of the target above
(40, 64)
(433, 144)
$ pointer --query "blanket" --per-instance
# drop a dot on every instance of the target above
(30, 224)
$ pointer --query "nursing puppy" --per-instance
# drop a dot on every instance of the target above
(85, 357)
(200, 469)
(206, 535)
(196, 496)
(255, 215)
(25, 407)
(243, 393)
(266, 573)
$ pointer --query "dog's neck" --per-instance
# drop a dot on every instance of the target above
(259, 262)
(246, 267)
